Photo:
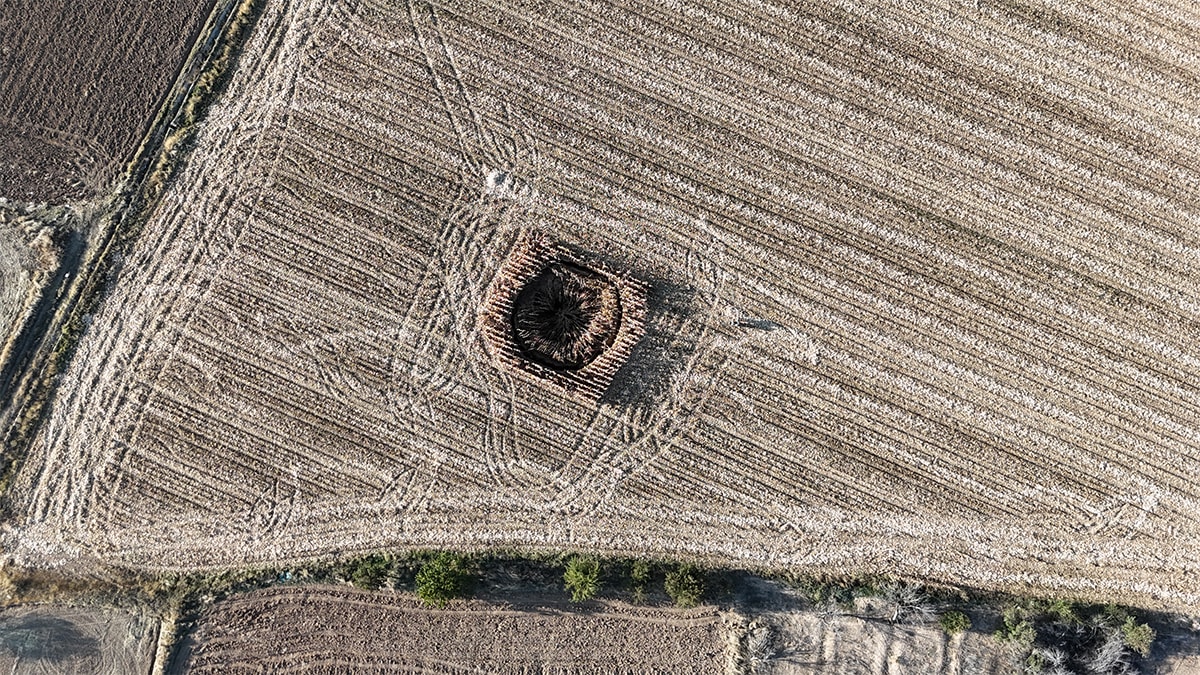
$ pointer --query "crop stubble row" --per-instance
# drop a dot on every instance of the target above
(975, 241)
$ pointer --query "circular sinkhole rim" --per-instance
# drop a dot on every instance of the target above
(546, 285)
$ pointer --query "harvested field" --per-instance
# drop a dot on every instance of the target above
(924, 296)
(51, 639)
(334, 630)
(80, 83)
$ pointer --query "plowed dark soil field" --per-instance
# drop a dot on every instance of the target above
(334, 630)
(79, 83)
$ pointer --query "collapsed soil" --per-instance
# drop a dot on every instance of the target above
(566, 316)
(925, 298)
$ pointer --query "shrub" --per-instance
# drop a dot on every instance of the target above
(370, 572)
(1108, 656)
(442, 579)
(1016, 629)
(1064, 611)
(639, 577)
(1035, 663)
(685, 586)
(582, 578)
(834, 592)
(954, 622)
(1138, 636)
(761, 646)
(1113, 615)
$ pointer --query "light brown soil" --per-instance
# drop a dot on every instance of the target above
(811, 643)
(29, 255)
(926, 292)
(50, 640)
(334, 630)
(81, 81)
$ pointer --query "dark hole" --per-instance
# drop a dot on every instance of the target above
(566, 316)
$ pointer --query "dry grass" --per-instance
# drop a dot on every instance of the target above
(923, 297)
(29, 254)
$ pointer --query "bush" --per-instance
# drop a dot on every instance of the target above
(582, 578)
(1061, 637)
(1016, 629)
(685, 585)
(1138, 636)
(639, 577)
(905, 603)
(442, 579)
(954, 622)
(370, 572)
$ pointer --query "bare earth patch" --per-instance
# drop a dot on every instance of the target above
(809, 643)
(335, 630)
(924, 297)
(51, 640)
(81, 81)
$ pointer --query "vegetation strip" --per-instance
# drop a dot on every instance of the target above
(1041, 634)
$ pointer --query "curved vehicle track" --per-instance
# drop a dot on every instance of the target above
(934, 265)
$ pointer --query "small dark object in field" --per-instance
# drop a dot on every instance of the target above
(566, 316)
(759, 324)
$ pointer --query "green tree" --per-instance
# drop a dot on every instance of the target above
(370, 572)
(582, 577)
(639, 577)
(1138, 636)
(442, 579)
(954, 622)
(685, 585)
